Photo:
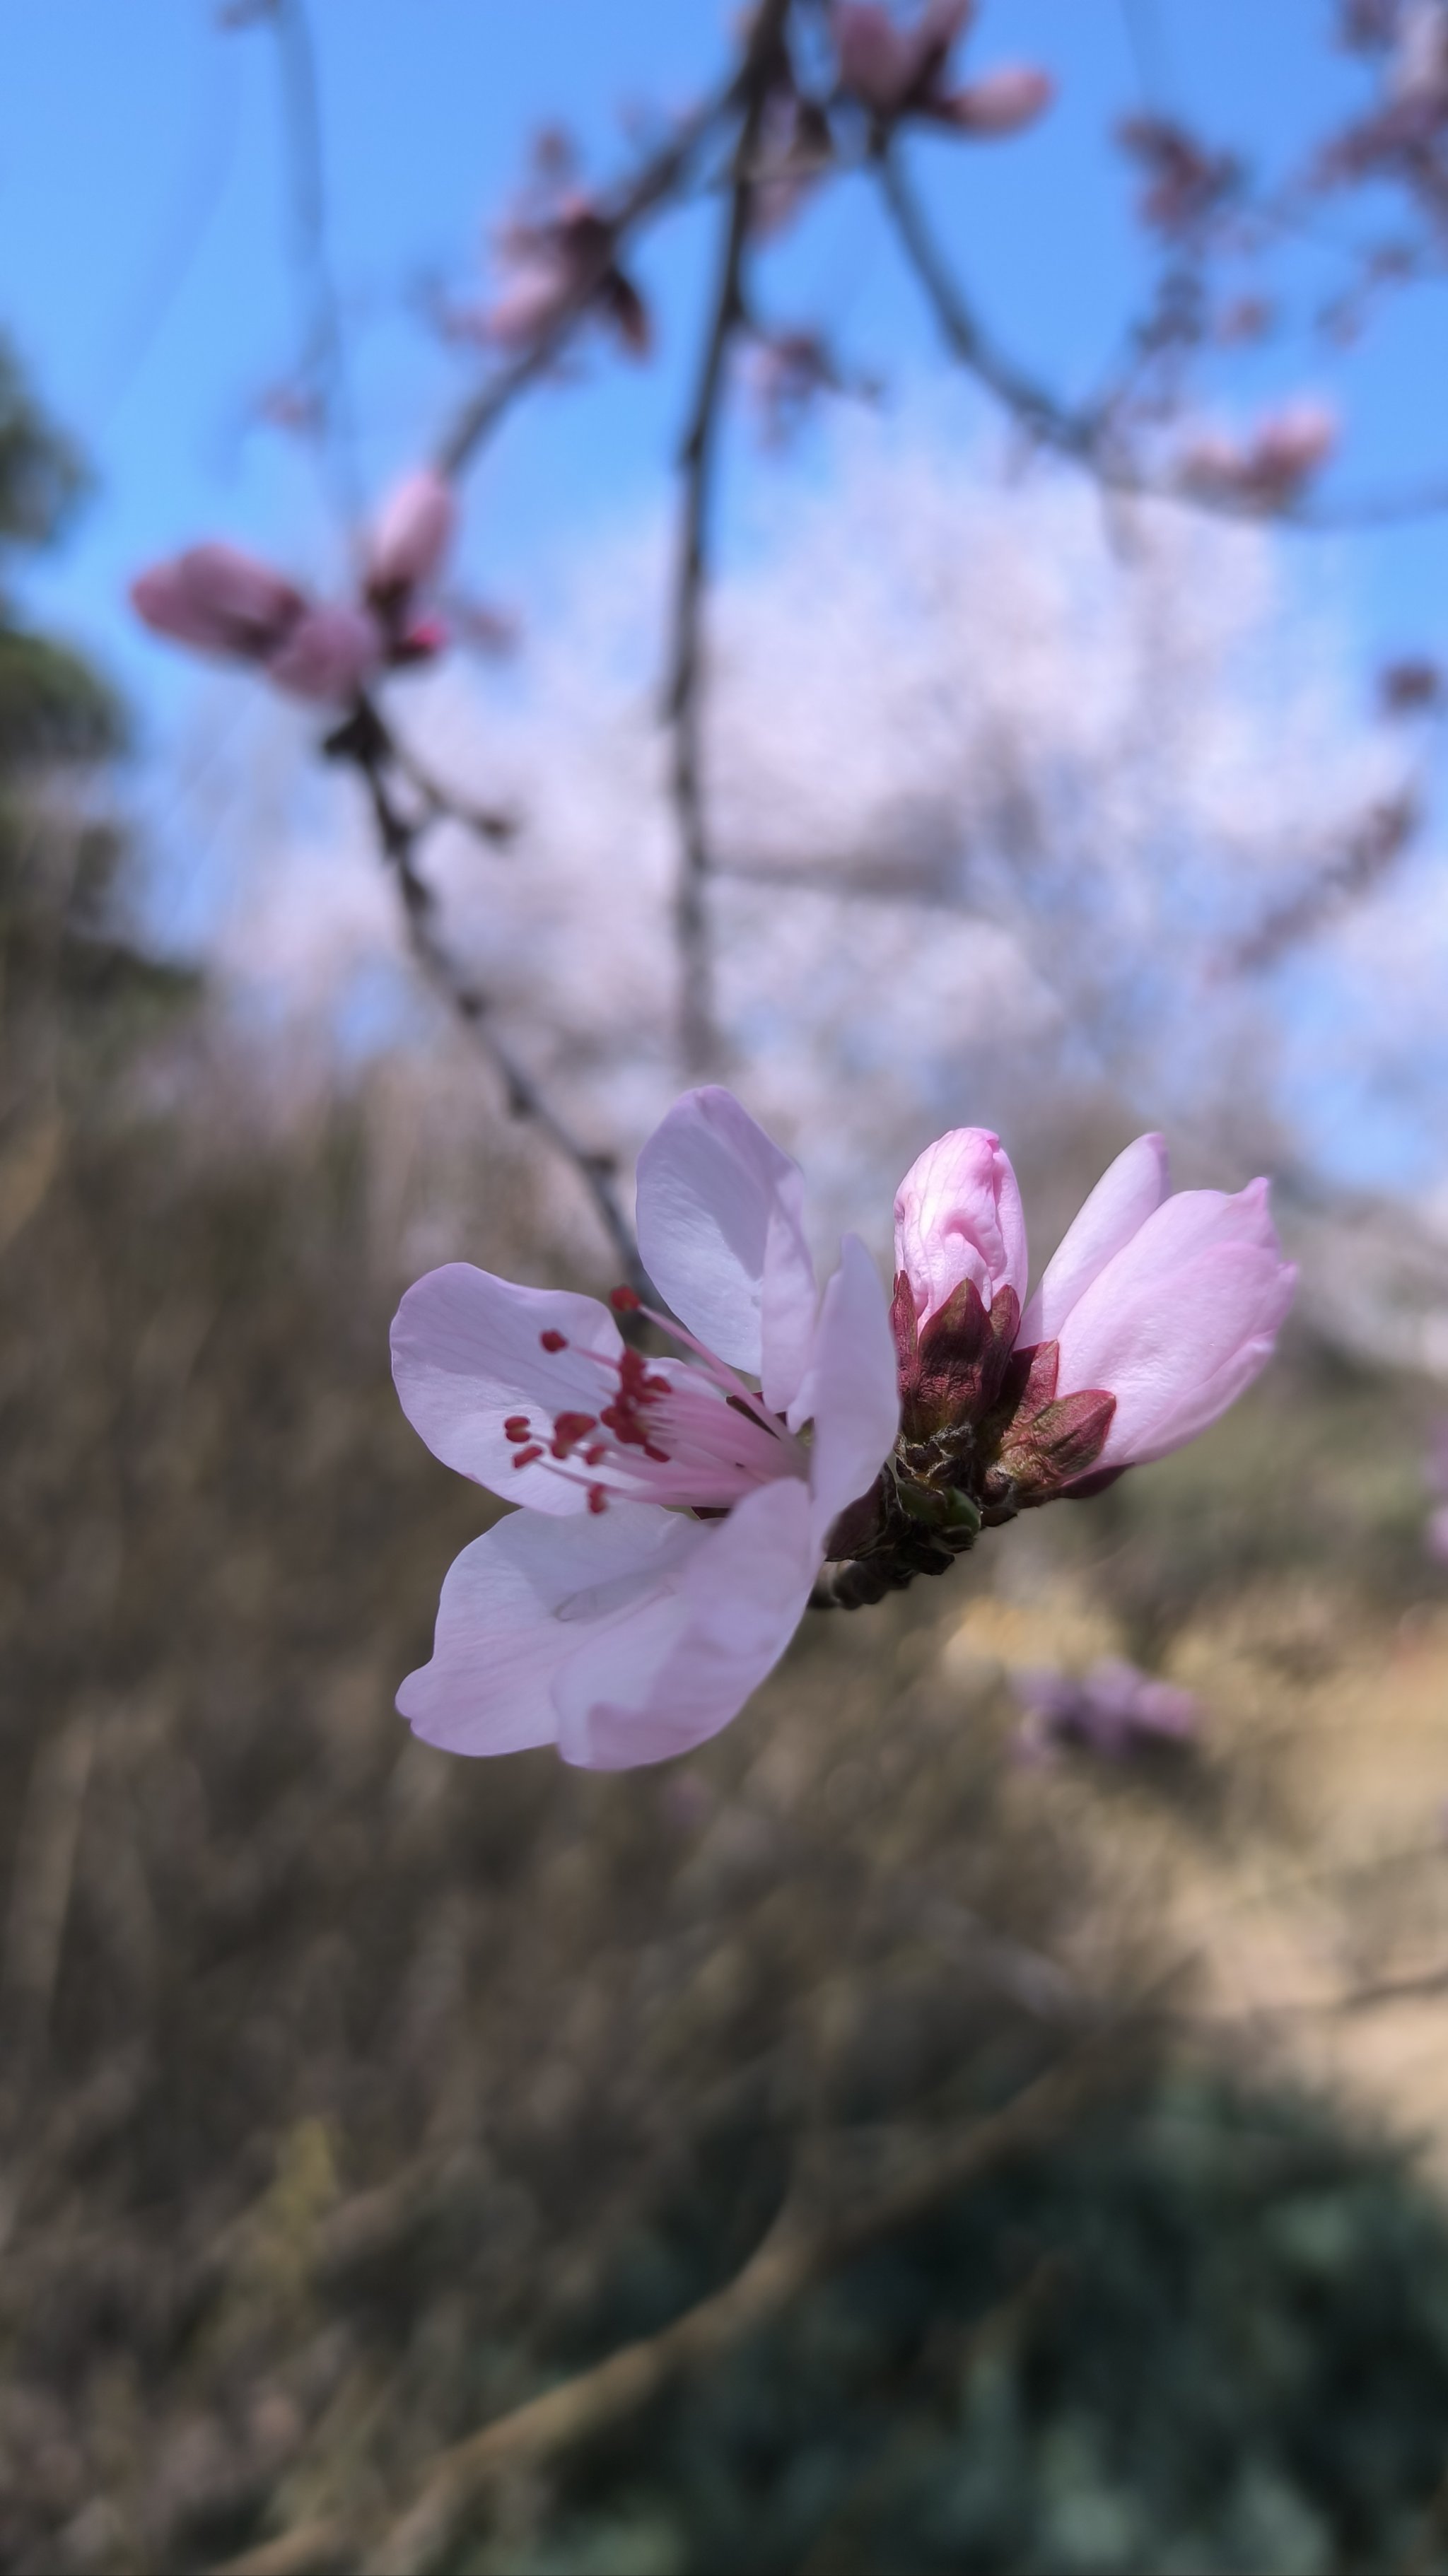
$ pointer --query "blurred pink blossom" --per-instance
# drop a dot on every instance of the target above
(1114, 1710)
(1270, 466)
(329, 655)
(551, 264)
(223, 601)
(896, 69)
(219, 599)
(412, 533)
(1186, 181)
(1004, 101)
(604, 1617)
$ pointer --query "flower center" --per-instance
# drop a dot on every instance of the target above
(688, 1433)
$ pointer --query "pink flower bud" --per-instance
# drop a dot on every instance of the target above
(876, 57)
(887, 67)
(413, 532)
(329, 655)
(1002, 102)
(220, 599)
(958, 1216)
(1171, 1305)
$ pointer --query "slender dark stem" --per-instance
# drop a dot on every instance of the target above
(697, 456)
(326, 364)
(364, 743)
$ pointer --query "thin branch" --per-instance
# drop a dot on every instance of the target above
(804, 2244)
(364, 743)
(490, 822)
(325, 357)
(1084, 434)
(697, 455)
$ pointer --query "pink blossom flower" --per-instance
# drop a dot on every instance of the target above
(603, 1616)
(329, 655)
(412, 533)
(899, 69)
(222, 600)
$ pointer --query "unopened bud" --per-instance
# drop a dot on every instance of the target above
(413, 532)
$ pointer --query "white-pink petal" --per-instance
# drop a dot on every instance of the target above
(216, 597)
(1175, 1350)
(849, 1389)
(958, 1216)
(467, 1356)
(685, 1658)
(1128, 1192)
(721, 1233)
(413, 531)
(329, 655)
(524, 1601)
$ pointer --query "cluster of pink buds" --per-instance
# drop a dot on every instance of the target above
(679, 1513)
(1271, 467)
(895, 69)
(1152, 1317)
(219, 600)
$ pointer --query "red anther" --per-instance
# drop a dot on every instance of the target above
(595, 1456)
(624, 1301)
(597, 1499)
(525, 1457)
(570, 1429)
(553, 1341)
(516, 1427)
(657, 1386)
(660, 1457)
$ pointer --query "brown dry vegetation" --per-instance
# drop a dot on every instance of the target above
(353, 2094)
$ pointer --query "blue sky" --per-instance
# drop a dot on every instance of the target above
(150, 285)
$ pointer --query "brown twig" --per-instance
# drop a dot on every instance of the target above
(364, 743)
(802, 2246)
(696, 459)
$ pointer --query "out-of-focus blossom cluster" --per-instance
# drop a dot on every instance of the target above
(219, 600)
(895, 67)
(1185, 182)
(1113, 1710)
(1270, 466)
(1403, 136)
(556, 254)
